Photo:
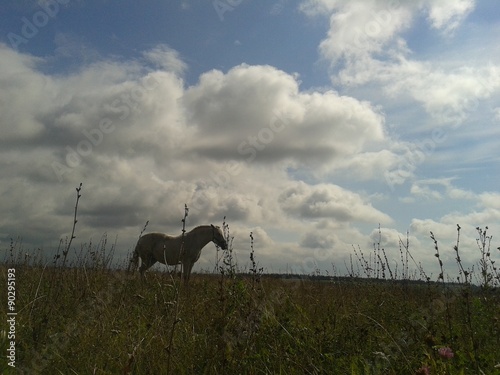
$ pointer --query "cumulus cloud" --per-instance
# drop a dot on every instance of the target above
(258, 113)
(365, 45)
(328, 200)
(358, 28)
(249, 144)
(143, 144)
(447, 96)
(324, 241)
(21, 87)
(448, 14)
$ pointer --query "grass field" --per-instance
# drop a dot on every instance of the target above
(90, 318)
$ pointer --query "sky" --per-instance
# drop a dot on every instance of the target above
(310, 123)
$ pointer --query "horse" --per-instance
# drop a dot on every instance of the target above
(173, 250)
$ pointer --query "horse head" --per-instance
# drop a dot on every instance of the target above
(218, 237)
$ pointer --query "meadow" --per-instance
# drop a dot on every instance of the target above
(86, 314)
(91, 318)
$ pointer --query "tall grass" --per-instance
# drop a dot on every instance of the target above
(87, 315)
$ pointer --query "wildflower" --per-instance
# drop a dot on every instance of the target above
(445, 353)
(424, 370)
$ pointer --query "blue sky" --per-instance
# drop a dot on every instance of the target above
(307, 122)
(251, 32)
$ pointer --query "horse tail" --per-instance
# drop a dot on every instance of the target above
(134, 260)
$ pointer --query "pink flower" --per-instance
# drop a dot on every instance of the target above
(445, 352)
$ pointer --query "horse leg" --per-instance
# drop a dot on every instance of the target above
(134, 260)
(187, 266)
(146, 263)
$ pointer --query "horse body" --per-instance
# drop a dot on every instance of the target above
(172, 250)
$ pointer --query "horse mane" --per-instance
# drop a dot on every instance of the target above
(203, 226)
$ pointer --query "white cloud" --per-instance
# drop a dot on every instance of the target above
(496, 112)
(428, 188)
(366, 166)
(317, 240)
(143, 144)
(21, 87)
(365, 45)
(485, 213)
(456, 193)
(490, 200)
(425, 192)
(448, 14)
(359, 28)
(449, 97)
(258, 113)
(329, 201)
(166, 58)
